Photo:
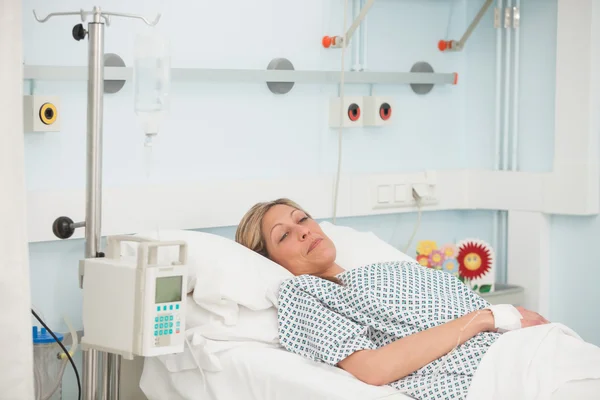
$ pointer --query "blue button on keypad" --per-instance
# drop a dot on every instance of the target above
(171, 325)
(162, 319)
(177, 306)
(178, 323)
(155, 333)
(164, 308)
(171, 318)
(170, 307)
(160, 325)
(158, 308)
(170, 331)
(160, 332)
(156, 319)
(155, 326)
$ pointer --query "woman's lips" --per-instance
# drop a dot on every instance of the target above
(314, 244)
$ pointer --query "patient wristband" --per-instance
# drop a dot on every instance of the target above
(506, 317)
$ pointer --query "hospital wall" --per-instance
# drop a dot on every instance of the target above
(223, 131)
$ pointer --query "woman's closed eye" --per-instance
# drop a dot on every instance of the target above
(283, 237)
(286, 233)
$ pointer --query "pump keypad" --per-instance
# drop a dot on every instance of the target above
(167, 321)
(166, 324)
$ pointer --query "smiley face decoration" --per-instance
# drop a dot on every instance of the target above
(476, 264)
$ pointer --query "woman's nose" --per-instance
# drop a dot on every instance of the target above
(304, 232)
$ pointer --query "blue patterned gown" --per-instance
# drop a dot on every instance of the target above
(376, 305)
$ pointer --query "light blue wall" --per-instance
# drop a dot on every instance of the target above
(220, 131)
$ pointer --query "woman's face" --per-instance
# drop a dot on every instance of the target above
(296, 242)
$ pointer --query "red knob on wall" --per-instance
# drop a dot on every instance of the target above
(354, 112)
(385, 111)
(444, 45)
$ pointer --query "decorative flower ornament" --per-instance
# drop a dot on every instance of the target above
(436, 258)
(425, 247)
(475, 258)
(450, 251)
(423, 260)
(451, 266)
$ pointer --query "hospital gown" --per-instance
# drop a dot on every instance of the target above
(376, 305)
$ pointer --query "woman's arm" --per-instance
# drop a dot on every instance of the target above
(404, 356)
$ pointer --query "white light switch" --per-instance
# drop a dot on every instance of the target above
(384, 194)
(399, 193)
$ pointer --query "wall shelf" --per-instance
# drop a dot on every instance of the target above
(63, 73)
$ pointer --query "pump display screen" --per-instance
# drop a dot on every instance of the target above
(168, 289)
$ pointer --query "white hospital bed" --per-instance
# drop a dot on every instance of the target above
(251, 370)
(257, 372)
(233, 331)
(260, 372)
(257, 369)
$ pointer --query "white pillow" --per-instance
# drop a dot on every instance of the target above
(252, 325)
(355, 249)
(222, 273)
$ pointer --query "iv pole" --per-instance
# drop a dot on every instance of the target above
(64, 227)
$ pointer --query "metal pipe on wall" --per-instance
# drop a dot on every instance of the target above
(356, 44)
(502, 252)
(500, 275)
(507, 83)
(363, 39)
(357, 21)
(515, 95)
(498, 104)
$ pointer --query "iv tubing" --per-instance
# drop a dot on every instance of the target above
(74, 339)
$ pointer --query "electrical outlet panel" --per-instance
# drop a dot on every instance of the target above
(351, 112)
(391, 195)
(378, 111)
(400, 194)
(41, 113)
(426, 192)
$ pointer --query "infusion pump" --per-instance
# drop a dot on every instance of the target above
(134, 306)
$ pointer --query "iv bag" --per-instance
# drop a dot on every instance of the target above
(152, 77)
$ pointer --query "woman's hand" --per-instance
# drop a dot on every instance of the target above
(531, 318)
(406, 355)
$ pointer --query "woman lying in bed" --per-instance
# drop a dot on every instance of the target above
(418, 329)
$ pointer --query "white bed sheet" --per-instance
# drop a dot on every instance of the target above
(260, 372)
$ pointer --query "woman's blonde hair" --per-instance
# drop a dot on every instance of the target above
(249, 231)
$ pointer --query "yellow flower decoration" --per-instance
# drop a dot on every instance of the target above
(425, 247)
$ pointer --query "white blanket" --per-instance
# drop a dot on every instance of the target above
(532, 363)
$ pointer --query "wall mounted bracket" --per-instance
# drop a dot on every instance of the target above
(453, 45)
